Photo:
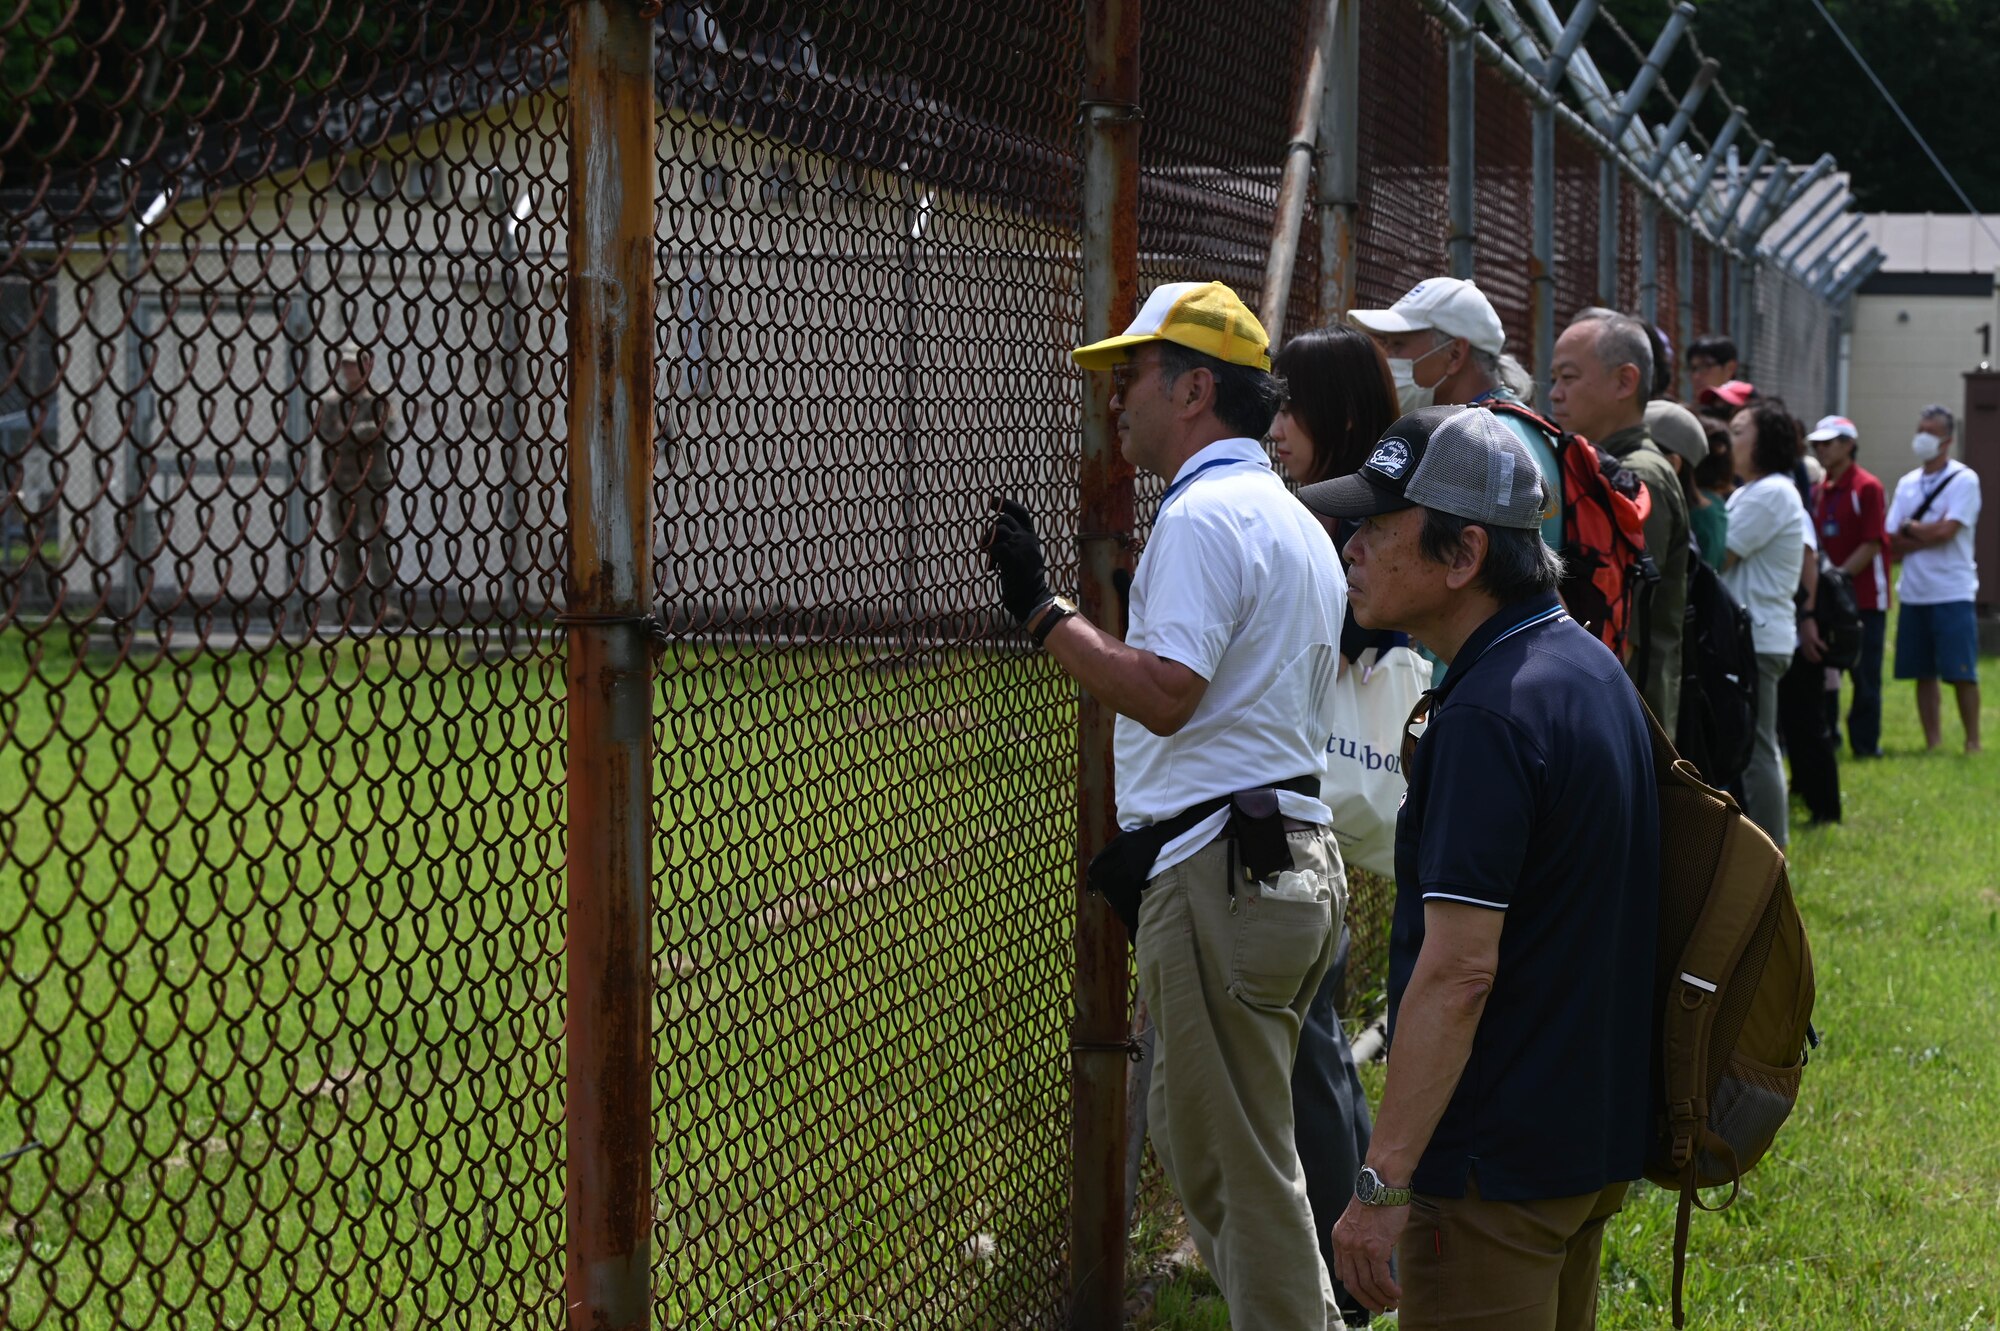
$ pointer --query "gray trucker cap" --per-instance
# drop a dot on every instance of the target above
(1458, 460)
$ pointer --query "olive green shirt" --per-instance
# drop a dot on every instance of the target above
(1655, 664)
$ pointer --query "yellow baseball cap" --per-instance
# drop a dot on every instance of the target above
(1203, 316)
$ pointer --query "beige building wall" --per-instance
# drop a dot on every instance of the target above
(852, 363)
(1907, 351)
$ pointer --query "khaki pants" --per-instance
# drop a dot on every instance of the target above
(1465, 1262)
(1228, 980)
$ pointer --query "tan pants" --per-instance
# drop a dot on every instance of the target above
(1228, 980)
(1465, 1262)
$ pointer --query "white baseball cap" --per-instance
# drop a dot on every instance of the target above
(1832, 427)
(1451, 305)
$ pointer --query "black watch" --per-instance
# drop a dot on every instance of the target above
(1047, 615)
(1370, 1190)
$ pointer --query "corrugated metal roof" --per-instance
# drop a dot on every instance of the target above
(1935, 242)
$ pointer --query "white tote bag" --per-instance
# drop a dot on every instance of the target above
(1364, 780)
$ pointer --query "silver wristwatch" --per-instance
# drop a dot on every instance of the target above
(1370, 1190)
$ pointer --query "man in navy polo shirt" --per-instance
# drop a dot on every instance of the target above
(1527, 886)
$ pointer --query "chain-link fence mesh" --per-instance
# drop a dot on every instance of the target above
(284, 337)
(1788, 353)
(865, 804)
(1404, 157)
(280, 834)
(1504, 205)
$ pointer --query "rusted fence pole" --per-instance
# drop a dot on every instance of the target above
(1288, 219)
(1340, 174)
(608, 1196)
(1110, 243)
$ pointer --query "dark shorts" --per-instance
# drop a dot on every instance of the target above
(1938, 642)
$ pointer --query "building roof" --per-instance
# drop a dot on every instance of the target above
(1936, 242)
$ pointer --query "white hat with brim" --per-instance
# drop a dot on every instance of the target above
(1450, 305)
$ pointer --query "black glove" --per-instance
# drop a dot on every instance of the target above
(1015, 553)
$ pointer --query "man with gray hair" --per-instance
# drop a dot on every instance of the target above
(1930, 525)
(1603, 374)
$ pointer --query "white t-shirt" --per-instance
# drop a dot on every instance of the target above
(1944, 573)
(1769, 531)
(1240, 584)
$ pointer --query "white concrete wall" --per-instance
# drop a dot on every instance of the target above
(1898, 364)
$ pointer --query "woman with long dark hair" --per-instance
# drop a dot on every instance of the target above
(1339, 403)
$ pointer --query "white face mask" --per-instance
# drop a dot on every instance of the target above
(1411, 395)
(1925, 446)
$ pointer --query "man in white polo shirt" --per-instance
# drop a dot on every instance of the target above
(1930, 526)
(1226, 866)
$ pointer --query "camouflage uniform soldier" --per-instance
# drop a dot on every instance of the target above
(356, 423)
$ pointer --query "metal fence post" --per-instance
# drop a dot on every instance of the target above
(608, 1192)
(1340, 169)
(1461, 144)
(1542, 258)
(1098, 1042)
(1716, 294)
(1607, 233)
(1649, 259)
(1684, 286)
(1290, 213)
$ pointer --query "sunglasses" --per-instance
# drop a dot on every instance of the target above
(1420, 716)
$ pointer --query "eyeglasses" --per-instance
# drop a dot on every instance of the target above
(1123, 377)
(1420, 716)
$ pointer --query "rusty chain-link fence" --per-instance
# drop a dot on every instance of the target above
(319, 779)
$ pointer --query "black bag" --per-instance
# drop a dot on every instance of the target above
(1838, 615)
(1718, 717)
(1119, 873)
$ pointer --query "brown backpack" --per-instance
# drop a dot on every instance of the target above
(1732, 997)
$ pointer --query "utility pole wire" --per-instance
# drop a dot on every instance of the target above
(1867, 69)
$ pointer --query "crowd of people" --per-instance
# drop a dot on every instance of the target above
(1719, 566)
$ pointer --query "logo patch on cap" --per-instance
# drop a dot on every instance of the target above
(1391, 457)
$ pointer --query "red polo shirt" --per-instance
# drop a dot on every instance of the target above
(1849, 514)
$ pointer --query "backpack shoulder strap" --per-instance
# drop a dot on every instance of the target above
(1524, 412)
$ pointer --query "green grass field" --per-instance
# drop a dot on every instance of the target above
(1880, 1204)
(281, 1010)
(281, 1005)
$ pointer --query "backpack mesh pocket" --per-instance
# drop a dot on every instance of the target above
(1750, 1104)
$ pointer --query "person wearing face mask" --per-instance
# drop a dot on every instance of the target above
(1929, 528)
(1444, 343)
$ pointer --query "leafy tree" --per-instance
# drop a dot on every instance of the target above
(1800, 88)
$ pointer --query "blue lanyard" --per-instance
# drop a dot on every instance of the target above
(1189, 479)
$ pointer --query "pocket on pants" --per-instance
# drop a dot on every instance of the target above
(1277, 944)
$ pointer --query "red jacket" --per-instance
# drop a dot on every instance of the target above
(1849, 512)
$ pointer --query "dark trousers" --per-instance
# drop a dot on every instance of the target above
(1809, 740)
(1864, 715)
(1330, 1117)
